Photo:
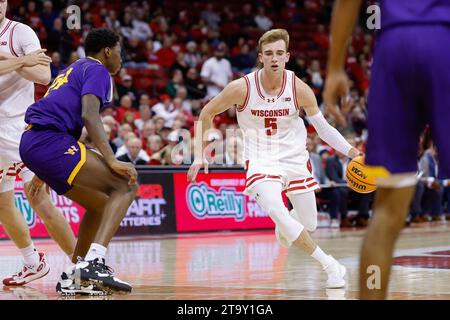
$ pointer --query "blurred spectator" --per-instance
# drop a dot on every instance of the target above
(152, 58)
(148, 130)
(186, 104)
(48, 15)
(159, 123)
(124, 129)
(166, 110)
(211, 17)
(316, 161)
(154, 144)
(321, 38)
(298, 66)
(129, 118)
(126, 28)
(234, 151)
(141, 29)
(335, 168)
(315, 74)
(108, 132)
(431, 200)
(125, 106)
(166, 55)
(416, 205)
(175, 83)
(244, 61)
(262, 21)
(126, 88)
(73, 57)
(136, 54)
(195, 88)
(216, 72)
(358, 120)
(59, 40)
(134, 147)
(123, 149)
(180, 64)
(145, 114)
(112, 22)
(191, 56)
(111, 123)
(56, 66)
(247, 18)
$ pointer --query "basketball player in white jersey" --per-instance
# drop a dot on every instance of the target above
(16, 94)
(268, 104)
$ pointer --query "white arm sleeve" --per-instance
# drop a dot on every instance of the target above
(329, 134)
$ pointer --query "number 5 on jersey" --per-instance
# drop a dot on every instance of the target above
(271, 126)
(59, 81)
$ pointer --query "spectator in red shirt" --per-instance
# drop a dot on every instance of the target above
(125, 105)
(321, 38)
(166, 56)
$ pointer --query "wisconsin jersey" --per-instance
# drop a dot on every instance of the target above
(61, 107)
(274, 135)
(16, 92)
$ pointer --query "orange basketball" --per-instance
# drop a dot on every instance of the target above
(358, 178)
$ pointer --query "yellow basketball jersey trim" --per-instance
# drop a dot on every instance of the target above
(79, 165)
(377, 171)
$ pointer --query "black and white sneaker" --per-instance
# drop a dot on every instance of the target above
(97, 273)
(69, 286)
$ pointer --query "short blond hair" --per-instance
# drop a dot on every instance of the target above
(273, 36)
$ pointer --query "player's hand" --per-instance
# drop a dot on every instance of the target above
(336, 87)
(195, 168)
(36, 57)
(126, 170)
(353, 153)
(35, 186)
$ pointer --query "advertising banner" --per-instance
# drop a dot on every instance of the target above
(69, 209)
(216, 202)
(153, 210)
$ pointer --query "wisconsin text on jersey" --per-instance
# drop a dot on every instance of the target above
(270, 113)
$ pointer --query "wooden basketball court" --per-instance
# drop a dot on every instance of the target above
(248, 265)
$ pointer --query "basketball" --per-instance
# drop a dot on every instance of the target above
(358, 177)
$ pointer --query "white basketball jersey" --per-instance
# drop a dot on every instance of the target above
(274, 134)
(16, 93)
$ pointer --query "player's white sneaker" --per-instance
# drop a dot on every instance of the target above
(29, 273)
(280, 237)
(336, 274)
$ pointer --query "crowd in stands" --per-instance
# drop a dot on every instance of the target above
(177, 55)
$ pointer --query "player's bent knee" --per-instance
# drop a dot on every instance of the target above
(310, 226)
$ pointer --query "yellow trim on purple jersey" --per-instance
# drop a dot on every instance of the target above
(377, 171)
(80, 163)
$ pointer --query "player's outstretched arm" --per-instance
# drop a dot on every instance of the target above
(94, 127)
(307, 100)
(233, 94)
(11, 63)
(344, 16)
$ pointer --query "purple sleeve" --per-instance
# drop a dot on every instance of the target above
(97, 81)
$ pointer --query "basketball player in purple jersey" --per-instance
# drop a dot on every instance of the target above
(409, 88)
(104, 186)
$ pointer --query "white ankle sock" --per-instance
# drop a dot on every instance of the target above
(30, 255)
(96, 251)
(321, 257)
